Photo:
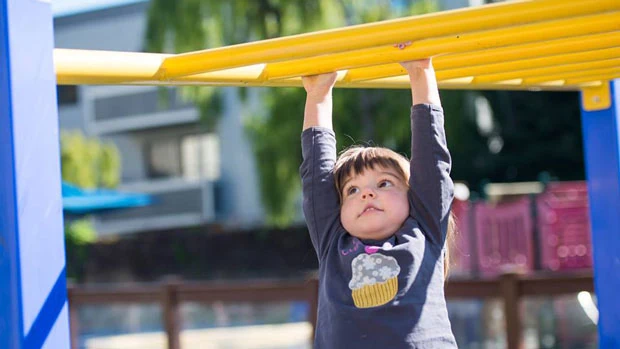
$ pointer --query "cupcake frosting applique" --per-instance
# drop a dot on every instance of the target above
(374, 280)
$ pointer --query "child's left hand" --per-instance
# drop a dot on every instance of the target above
(320, 84)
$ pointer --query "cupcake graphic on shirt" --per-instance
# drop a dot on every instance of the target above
(374, 281)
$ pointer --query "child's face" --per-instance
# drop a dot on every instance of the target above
(374, 204)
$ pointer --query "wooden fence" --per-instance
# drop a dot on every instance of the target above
(508, 287)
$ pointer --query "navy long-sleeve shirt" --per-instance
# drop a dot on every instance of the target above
(387, 293)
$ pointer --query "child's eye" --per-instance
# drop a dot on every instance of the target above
(385, 184)
(352, 190)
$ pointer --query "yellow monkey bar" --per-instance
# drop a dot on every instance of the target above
(528, 44)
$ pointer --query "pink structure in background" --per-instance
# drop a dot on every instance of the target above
(564, 226)
(504, 237)
(461, 254)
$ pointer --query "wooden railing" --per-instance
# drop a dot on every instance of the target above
(508, 287)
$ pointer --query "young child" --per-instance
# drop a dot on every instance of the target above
(379, 224)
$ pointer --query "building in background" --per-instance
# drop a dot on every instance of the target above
(194, 177)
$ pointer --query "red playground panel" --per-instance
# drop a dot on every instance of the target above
(564, 226)
(504, 236)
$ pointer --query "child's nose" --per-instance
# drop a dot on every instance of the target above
(368, 194)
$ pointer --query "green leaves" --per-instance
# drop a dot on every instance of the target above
(88, 163)
(360, 115)
(276, 144)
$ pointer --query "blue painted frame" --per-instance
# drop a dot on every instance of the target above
(44, 308)
(601, 136)
(10, 292)
(33, 291)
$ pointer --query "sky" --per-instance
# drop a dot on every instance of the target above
(66, 7)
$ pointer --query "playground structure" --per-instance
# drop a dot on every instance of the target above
(170, 296)
(563, 45)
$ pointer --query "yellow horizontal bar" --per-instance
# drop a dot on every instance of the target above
(74, 67)
(607, 22)
(380, 33)
(590, 75)
(511, 68)
(462, 84)
(504, 56)
(567, 45)
(550, 70)
(111, 67)
(603, 77)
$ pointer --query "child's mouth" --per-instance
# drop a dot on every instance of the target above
(370, 209)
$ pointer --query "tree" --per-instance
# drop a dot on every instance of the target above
(539, 131)
(362, 116)
(193, 24)
(88, 163)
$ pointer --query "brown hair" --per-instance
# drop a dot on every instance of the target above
(355, 160)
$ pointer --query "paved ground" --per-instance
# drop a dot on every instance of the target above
(285, 336)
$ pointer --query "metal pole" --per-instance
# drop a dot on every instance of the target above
(601, 138)
(509, 285)
(33, 300)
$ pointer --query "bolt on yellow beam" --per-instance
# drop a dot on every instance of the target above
(537, 32)
(596, 98)
(549, 70)
(379, 33)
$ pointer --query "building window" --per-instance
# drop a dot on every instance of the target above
(163, 159)
(200, 156)
(192, 157)
(66, 94)
(139, 103)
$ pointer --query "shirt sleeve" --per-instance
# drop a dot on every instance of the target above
(431, 188)
(321, 203)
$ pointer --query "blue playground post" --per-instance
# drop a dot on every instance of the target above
(601, 135)
(33, 296)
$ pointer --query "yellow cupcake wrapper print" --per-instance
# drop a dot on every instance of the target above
(374, 280)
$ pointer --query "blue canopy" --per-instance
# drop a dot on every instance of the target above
(76, 200)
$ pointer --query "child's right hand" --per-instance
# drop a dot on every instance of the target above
(411, 66)
(319, 85)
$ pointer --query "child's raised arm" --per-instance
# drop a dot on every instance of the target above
(318, 110)
(430, 184)
(318, 144)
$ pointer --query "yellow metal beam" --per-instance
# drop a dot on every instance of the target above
(462, 84)
(537, 54)
(588, 80)
(75, 67)
(512, 69)
(549, 70)
(544, 44)
(590, 75)
(592, 24)
(110, 67)
(451, 23)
